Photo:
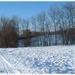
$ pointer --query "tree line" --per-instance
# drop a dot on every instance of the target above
(58, 23)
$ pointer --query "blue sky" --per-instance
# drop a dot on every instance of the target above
(24, 9)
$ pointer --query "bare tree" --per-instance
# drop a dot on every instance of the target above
(44, 27)
(62, 27)
(25, 24)
(26, 32)
(54, 16)
(34, 23)
(69, 9)
(9, 30)
(34, 32)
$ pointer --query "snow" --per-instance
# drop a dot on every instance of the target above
(38, 60)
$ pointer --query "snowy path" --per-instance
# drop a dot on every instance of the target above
(5, 66)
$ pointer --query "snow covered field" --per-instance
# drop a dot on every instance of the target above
(38, 60)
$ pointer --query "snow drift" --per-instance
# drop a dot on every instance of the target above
(40, 60)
